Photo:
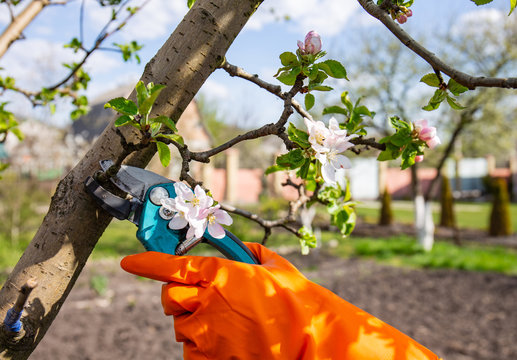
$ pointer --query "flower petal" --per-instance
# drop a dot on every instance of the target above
(329, 173)
(178, 222)
(222, 217)
(341, 162)
(433, 142)
(216, 230)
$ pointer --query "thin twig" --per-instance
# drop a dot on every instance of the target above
(233, 70)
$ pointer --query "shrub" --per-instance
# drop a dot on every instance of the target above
(386, 215)
(500, 216)
(447, 217)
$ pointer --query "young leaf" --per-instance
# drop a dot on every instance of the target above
(435, 101)
(333, 68)
(309, 101)
(155, 129)
(141, 92)
(122, 106)
(164, 153)
(513, 3)
(274, 168)
(456, 88)
(319, 87)
(174, 137)
(190, 3)
(431, 80)
(335, 110)
(454, 104)
(122, 120)
(298, 136)
(147, 104)
(304, 170)
(167, 121)
(288, 59)
(289, 77)
(481, 2)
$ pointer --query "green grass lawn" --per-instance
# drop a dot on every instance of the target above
(120, 239)
(469, 215)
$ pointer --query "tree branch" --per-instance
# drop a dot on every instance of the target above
(233, 70)
(436, 63)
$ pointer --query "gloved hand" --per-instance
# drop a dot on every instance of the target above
(226, 309)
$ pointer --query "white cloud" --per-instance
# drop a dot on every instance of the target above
(36, 62)
(215, 90)
(156, 19)
(327, 17)
(479, 21)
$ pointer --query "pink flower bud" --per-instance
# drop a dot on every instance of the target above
(419, 158)
(312, 43)
(432, 143)
(427, 133)
(402, 18)
(409, 13)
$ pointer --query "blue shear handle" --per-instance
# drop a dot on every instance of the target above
(231, 247)
(155, 235)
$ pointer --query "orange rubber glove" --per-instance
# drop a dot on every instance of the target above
(225, 309)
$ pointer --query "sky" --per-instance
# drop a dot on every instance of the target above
(36, 60)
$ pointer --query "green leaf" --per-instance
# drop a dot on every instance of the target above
(122, 105)
(335, 110)
(307, 239)
(481, 2)
(298, 136)
(401, 138)
(309, 101)
(155, 129)
(408, 156)
(167, 121)
(289, 59)
(363, 110)
(18, 133)
(435, 101)
(292, 160)
(141, 92)
(164, 153)
(274, 168)
(431, 80)
(174, 137)
(146, 106)
(454, 104)
(391, 153)
(398, 123)
(456, 88)
(123, 120)
(190, 3)
(333, 68)
(513, 3)
(289, 77)
(304, 170)
(320, 87)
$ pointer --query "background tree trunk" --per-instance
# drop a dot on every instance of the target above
(73, 224)
(19, 23)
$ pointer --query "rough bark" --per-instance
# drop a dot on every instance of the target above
(70, 230)
(19, 23)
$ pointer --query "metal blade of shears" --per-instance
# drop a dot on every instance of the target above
(133, 180)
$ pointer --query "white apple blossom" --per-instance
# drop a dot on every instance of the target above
(194, 209)
(329, 143)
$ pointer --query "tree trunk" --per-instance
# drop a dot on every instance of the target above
(19, 23)
(73, 224)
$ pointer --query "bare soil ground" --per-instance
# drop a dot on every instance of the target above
(459, 315)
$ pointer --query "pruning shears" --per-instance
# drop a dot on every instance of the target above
(143, 208)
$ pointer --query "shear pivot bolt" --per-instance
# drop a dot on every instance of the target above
(157, 194)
